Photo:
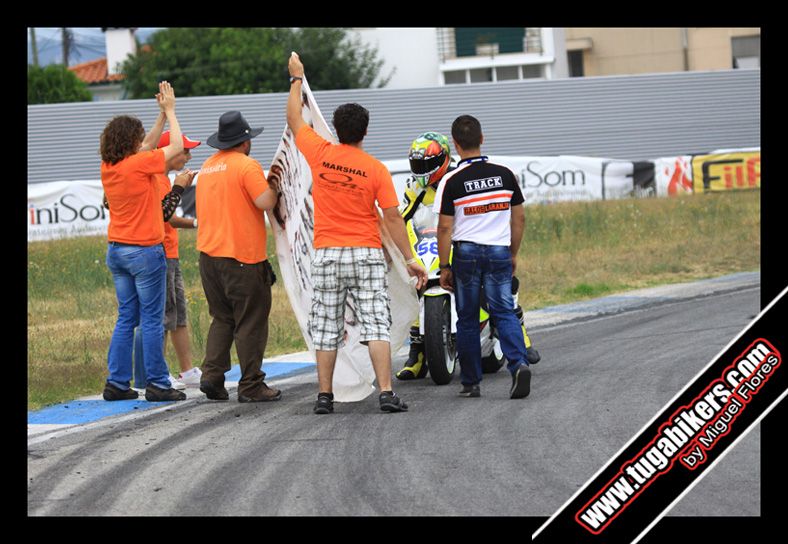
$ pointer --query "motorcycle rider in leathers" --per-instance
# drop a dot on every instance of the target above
(430, 159)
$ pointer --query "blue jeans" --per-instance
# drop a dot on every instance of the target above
(140, 277)
(474, 265)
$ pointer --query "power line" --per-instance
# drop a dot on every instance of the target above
(89, 39)
(49, 42)
(73, 46)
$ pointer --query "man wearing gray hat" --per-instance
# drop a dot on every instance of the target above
(232, 193)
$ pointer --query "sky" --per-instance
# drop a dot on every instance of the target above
(89, 44)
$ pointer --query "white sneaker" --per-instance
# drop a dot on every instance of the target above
(176, 384)
(191, 377)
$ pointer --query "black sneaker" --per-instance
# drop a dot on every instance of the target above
(471, 391)
(390, 402)
(115, 393)
(521, 382)
(157, 394)
(213, 392)
(324, 404)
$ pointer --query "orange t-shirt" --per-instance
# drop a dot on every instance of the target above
(346, 181)
(135, 215)
(170, 232)
(230, 224)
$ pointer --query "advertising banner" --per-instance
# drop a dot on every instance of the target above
(673, 175)
(558, 179)
(65, 209)
(643, 179)
(726, 171)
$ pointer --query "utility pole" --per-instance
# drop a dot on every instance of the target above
(34, 46)
(67, 38)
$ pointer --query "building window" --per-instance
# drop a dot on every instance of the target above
(481, 75)
(532, 71)
(454, 77)
(503, 73)
(575, 59)
(471, 42)
(746, 51)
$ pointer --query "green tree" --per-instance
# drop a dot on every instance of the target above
(53, 84)
(334, 60)
(222, 61)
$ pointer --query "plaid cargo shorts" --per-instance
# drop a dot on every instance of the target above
(361, 272)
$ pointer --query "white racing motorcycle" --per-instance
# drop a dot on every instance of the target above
(437, 312)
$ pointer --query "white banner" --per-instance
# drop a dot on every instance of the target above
(67, 209)
(292, 222)
(552, 179)
(673, 175)
(64, 209)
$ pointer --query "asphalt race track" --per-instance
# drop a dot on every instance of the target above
(599, 382)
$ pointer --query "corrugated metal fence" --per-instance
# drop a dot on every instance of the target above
(623, 117)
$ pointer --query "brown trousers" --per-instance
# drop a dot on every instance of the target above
(239, 301)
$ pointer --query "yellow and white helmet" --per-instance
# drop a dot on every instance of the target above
(429, 158)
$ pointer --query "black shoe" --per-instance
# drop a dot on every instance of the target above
(115, 393)
(390, 402)
(157, 394)
(213, 392)
(267, 394)
(471, 391)
(521, 382)
(324, 404)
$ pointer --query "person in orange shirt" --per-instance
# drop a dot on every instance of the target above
(135, 254)
(232, 193)
(175, 306)
(348, 251)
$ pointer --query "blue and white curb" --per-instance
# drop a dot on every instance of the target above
(92, 409)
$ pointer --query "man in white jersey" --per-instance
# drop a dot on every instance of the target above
(482, 216)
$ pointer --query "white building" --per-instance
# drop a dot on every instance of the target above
(426, 57)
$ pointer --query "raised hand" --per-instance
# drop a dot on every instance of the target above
(294, 65)
(166, 97)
